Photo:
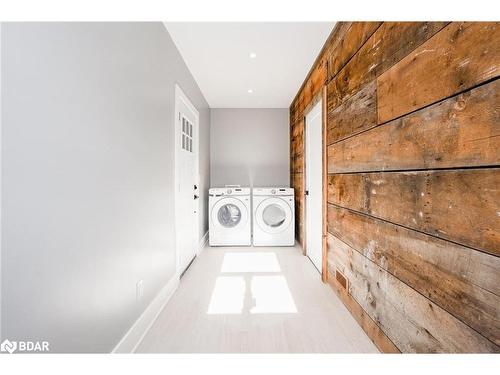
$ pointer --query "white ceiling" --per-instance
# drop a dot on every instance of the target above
(217, 54)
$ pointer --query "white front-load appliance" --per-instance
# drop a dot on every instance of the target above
(230, 216)
(273, 216)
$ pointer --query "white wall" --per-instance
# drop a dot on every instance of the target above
(87, 177)
(249, 147)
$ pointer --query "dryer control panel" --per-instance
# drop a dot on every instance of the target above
(272, 191)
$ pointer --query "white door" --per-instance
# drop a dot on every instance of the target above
(314, 190)
(187, 190)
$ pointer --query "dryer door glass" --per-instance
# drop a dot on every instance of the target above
(273, 215)
(229, 215)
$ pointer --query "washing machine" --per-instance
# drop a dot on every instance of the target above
(230, 216)
(273, 217)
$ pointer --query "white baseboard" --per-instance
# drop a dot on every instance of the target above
(131, 340)
(203, 243)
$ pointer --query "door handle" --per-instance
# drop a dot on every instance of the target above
(196, 196)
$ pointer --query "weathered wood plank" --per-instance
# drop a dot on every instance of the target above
(324, 189)
(454, 133)
(390, 43)
(462, 131)
(298, 185)
(299, 106)
(457, 58)
(296, 111)
(356, 114)
(372, 330)
(347, 39)
(294, 132)
(457, 205)
(318, 78)
(297, 141)
(462, 281)
(300, 236)
(293, 115)
(297, 165)
(410, 320)
(299, 222)
(305, 97)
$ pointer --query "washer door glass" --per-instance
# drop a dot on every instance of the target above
(273, 215)
(229, 215)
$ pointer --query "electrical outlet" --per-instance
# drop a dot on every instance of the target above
(139, 290)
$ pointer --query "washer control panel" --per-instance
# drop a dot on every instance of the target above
(217, 192)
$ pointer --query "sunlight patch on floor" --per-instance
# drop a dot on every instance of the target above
(251, 282)
(228, 295)
(219, 310)
(271, 295)
(250, 262)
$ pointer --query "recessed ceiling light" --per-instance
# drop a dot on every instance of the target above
(250, 91)
(253, 55)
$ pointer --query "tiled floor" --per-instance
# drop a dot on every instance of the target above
(254, 300)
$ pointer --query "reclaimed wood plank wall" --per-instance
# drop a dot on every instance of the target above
(413, 185)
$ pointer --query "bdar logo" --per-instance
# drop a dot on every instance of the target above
(8, 346)
(24, 346)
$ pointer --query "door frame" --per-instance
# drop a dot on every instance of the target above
(180, 96)
(321, 96)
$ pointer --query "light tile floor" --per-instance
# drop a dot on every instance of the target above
(254, 300)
